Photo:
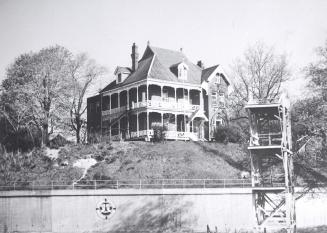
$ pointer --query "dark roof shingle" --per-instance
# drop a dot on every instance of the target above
(163, 62)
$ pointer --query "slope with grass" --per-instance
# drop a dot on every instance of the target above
(128, 160)
(170, 160)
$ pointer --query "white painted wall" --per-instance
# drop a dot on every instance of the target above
(139, 210)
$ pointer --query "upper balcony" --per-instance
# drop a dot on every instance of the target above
(155, 97)
(152, 104)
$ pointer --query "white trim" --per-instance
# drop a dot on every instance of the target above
(220, 70)
(124, 88)
(150, 68)
(174, 84)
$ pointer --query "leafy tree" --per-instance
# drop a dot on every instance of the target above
(83, 72)
(36, 89)
(310, 114)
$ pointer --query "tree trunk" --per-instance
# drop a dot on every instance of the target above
(78, 129)
(45, 133)
(78, 137)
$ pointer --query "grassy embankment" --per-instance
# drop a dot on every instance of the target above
(132, 160)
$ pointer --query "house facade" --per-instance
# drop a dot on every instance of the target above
(162, 90)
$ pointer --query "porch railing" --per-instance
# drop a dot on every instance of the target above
(167, 105)
(167, 134)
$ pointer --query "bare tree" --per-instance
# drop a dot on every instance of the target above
(258, 74)
(83, 72)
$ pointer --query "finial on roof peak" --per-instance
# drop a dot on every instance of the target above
(148, 43)
(181, 50)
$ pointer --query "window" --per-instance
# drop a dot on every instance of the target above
(97, 107)
(182, 71)
(91, 107)
(119, 78)
(214, 98)
(219, 122)
(222, 100)
(218, 79)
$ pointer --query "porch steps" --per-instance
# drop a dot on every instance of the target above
(193, 138)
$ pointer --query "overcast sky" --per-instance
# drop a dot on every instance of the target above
(214, 31)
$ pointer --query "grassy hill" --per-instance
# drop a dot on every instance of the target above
(139, 160)
(170, 160)
(128, 160)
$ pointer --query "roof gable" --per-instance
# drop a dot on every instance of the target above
(159, 63)
(209, 72)
(166, 59)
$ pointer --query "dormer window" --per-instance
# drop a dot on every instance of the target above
(122, 73)
(218, 78)
(182, 71)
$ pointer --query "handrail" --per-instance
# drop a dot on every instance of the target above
(124, 184)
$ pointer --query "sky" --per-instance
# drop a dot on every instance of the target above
(214, 31)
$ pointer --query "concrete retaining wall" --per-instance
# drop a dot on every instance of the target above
(149, 210)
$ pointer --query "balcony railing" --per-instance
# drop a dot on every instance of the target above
(154, 104)
(167, 135)
(268, 139)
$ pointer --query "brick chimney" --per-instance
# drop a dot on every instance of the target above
(135, 57)
(200, 64)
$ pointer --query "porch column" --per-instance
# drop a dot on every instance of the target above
(176, 127)
(147, 121)
(147, 92)
(137, 124)
(110, 106)
(110, 128)
(118, 99)
(127, 126)
(201, 100)
(202, 129)
(119, 129)
(161, 90)
(137, 95)
(175, 94)
(127, 96)
(161, 119)
(188, 96)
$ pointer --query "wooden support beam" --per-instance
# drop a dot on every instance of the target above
(279, 156)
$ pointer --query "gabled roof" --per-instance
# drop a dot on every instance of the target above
(158, 63)
(207, 72)
(165, 59)
(121, 69)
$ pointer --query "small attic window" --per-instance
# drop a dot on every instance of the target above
(218, 78)
(182, 71)
(119, 78)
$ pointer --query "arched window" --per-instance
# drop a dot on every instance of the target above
(182, 71)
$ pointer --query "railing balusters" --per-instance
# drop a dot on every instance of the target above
(139, 183)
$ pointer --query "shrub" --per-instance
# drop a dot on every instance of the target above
(158, 133)
(230, 133)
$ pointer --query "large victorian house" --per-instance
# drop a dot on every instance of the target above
(161, 90)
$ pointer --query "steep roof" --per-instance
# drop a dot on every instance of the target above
(165, 59)
(207, 72)
(159, 63)
(122, 69)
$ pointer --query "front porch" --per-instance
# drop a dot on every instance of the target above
(143, 125)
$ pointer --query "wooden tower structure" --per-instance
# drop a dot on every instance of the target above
(272, 165)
